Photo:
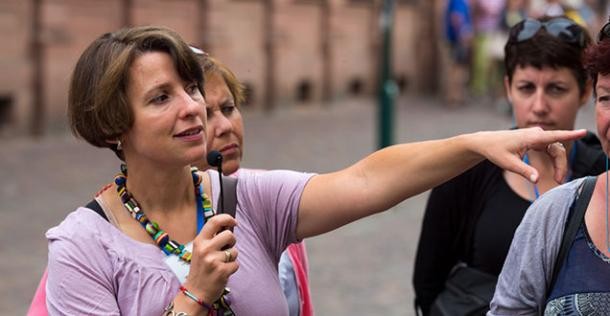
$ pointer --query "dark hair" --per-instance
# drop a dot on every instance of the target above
(597, 60)
(546, 50)
(98, 108)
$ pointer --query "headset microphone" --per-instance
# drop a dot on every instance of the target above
(215, 160)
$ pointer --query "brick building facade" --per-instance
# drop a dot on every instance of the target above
(285, 51)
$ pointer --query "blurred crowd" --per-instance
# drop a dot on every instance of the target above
(477, 30)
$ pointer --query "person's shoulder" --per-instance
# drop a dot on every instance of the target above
(247, 171)
(561, 193)
(555, 203)
(82, 223)
(268, 187)
(485, 167)
(261, 175)
(82, 232)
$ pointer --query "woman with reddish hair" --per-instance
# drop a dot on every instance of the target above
(536, 279)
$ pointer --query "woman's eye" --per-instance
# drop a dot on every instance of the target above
(528, 88)
(192, 89)
(603, 98)
(554, 89)
(160, 99)
(228, 110)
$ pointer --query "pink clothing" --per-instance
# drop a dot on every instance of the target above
(95, 269)
(39, 303)
(298, 257)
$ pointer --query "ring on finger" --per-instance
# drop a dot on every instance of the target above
(555, 143)
(228, 255)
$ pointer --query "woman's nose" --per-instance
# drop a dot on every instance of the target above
(539, 103)
(222, 124)
(193, 106)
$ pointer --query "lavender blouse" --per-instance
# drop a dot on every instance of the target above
(95, 269)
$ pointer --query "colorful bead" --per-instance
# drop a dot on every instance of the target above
(159, 238)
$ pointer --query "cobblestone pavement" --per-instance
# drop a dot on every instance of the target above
(362, 269)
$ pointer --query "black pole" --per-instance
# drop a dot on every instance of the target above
(387, 87)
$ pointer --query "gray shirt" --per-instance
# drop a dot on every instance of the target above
(525, 277)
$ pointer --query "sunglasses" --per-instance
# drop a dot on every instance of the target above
(561, 28)
(198, 51)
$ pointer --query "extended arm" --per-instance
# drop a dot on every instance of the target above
(393, 174)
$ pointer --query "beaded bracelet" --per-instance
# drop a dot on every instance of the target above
(195, 298)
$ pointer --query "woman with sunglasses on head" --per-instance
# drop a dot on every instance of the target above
(152, 243)
(470, 220)
(538, 277)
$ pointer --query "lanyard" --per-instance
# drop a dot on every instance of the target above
(200, 210)
(571, 159)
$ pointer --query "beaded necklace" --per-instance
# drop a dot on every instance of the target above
(161, 238)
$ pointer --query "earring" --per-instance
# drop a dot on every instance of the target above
(119, 146)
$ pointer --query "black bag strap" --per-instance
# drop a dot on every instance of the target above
(580, 206)
(229, 195)
(96, 207)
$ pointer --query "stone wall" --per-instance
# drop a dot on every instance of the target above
(232, 30)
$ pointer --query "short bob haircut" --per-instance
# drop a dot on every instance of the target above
(98, 108)
(546, 50)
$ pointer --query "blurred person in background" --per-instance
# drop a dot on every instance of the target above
(224, 96)
(459, 33)
(489, 39)
(535, 279)
(551, 8)
(470, 220)
(515, 12)
(577, 10)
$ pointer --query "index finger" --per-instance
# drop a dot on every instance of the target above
(549, 137)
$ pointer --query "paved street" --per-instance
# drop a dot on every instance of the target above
(362, 269)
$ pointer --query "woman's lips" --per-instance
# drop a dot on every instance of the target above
(191, 134)
(229, 150)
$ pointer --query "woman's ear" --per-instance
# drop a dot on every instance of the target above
(116, 142)
(117, 147)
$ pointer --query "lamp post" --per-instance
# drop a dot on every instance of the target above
(387, 89)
